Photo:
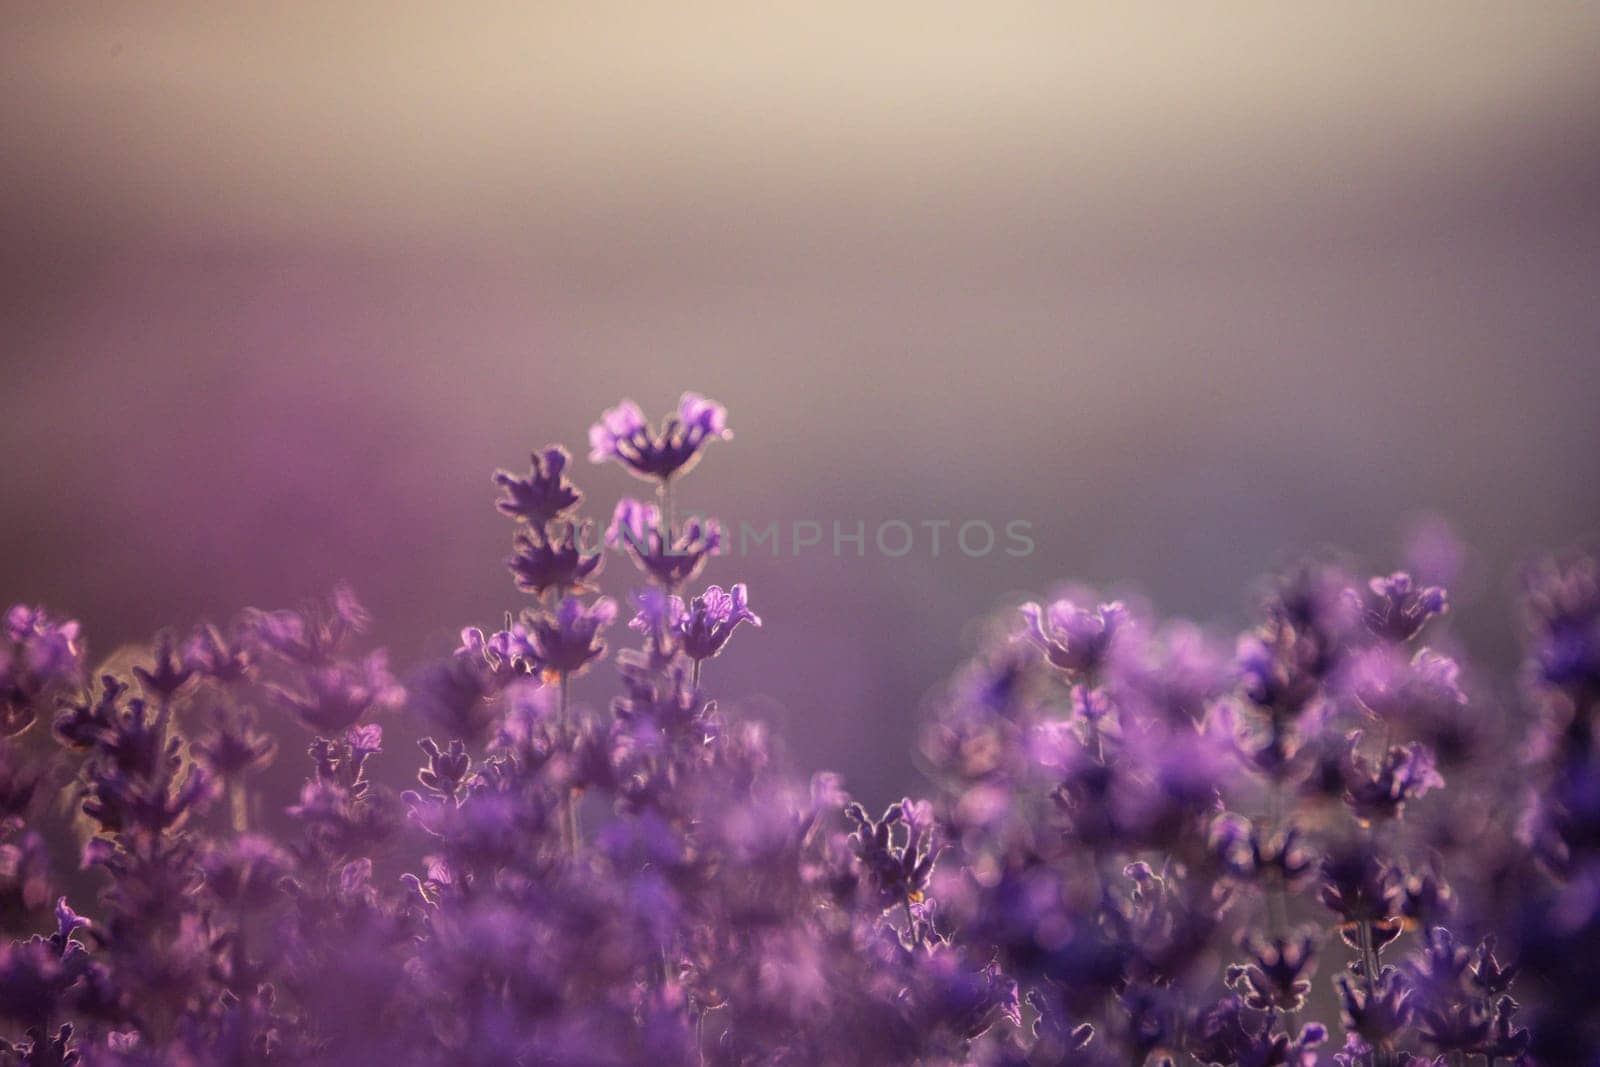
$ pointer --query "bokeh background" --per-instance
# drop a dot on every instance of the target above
(1192, 288)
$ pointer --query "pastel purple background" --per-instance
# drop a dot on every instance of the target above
(1191, 292)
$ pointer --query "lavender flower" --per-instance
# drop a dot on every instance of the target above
(335, 696)
(1076, 640)
(1357, 885)
(622, 434)
(669, 559)
(897, 870)
(1277, 978)
(567, 640)
(454, 695)
(224, 658)
(1227, 1036)
(39, 657)
(552, 561)
(1381, 790)
(1396, 610)
(169, 674)
(545, 494)
(1562, 613)
(703, 627)
(508, 654)
(312, 636)
(234, 745)
(711, 619)
(1421, 695)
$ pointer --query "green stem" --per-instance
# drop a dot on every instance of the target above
(1277, 892)
(239, 804)
(570, 828)
(668, 519)
(1369, 964)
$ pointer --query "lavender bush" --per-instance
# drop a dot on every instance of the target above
(1334, 840)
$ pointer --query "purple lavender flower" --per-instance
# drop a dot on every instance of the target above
(1316, 599)
(246, 872)
(39, 658)
(508, 654)
(25, 876)
(955, 995)
(1277, 977)
(169, 674)
(49, 645)
(623, 434)
(544, 495)
(1357, 885)
(1380, 789)
(552, 561)
(657, 704)
(897, 865)
(34, 979)
(447, 769)
(567, 640)
(336, 696)
(669, 560)
(1281, 669)
(657, 614)
(1562, 613)
(711, 619)
(1396, 609)
(1377, 1010)
(453, 695)
(1421, 695)
(82, 722)
(1076, 640)
(234, 745)
(312, 636)
(19, 783)
(700, 629)
(136, 781)
(224, 658)
(1447, 1014)
(1227, 1036)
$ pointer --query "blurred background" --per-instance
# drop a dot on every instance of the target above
(1191, 289)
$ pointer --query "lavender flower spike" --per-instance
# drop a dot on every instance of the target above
(658, 613)
(544, 494)
(669, 561)
(711, 619)
(38, 657)
(1074, 639)
(569, 639)
(623, 434)
(701, 628)
(1396, 608)
(552, 562)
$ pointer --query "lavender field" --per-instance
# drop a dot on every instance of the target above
(1140, 845)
